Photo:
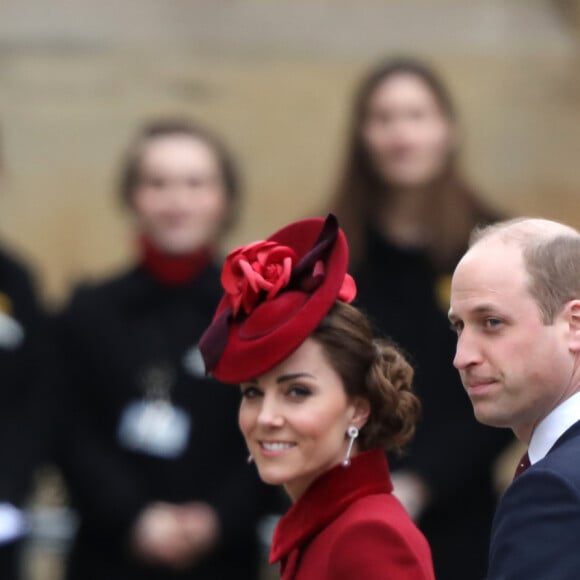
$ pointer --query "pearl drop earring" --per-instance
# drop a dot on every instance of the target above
(352, 432)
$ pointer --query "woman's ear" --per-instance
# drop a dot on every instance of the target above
(361, 409)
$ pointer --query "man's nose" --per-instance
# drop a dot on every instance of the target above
(467, 352)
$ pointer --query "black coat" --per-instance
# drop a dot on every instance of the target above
(119, 341)
(24, 419)
(451, 452)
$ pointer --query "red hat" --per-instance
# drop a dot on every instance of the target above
(277, 292)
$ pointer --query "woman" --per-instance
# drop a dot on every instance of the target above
(153, 464)
(408, 212)
(24, 399)
(321, 400)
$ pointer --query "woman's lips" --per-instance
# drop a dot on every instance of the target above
(275, 447)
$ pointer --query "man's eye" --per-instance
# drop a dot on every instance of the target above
(492, 322)
(456, 327)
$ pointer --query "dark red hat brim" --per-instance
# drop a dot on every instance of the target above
(276, 328)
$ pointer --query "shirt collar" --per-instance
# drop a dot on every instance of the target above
(552, 427)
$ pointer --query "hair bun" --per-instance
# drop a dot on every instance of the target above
(394, 405)
(373, 369)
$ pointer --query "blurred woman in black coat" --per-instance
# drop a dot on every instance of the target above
(151, 453)
(408, 213)
(24, 416)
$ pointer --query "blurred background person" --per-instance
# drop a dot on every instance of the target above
(23, 412)
(150, 449)
(408, 212)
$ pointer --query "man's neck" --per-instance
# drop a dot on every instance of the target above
(525, 431)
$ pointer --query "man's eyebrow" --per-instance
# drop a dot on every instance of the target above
(484, 308)
(291, 377)
(480, 309)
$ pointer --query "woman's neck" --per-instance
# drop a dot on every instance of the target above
(296, 488)
(402, 216)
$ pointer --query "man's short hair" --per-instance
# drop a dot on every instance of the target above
(551, 254)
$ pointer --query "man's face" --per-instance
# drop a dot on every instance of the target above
(514, 367)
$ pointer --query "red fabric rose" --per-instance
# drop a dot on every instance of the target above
(347, 292)
(261, 268)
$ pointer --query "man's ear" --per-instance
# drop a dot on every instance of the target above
(573, 321)
(361, 409)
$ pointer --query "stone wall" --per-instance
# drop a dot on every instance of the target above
(275, 77)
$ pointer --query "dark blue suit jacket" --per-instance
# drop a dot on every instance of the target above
(536, 529)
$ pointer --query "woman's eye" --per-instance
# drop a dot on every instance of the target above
(155, 182)
(250, 392)
(417, 114)
(298, 392)
(195, 183)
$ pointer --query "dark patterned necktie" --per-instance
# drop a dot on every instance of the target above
(522, 465)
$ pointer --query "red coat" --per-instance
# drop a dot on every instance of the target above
(349, 526)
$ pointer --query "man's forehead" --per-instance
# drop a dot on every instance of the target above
(492, 273)
(496, 261)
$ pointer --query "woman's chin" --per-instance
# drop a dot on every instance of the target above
(272, 476)
(177, 243)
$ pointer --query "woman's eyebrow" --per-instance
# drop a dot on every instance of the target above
(252, 382)
(291, 377)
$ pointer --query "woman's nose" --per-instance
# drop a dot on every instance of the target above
(270, 412)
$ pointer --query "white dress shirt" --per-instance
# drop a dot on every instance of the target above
(552, 427)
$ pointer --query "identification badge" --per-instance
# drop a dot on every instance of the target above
(193, 363)
(155, 427)
(11, 332)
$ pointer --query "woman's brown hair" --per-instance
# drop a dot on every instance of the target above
(130, 174)
(372, 369)
(453, 208)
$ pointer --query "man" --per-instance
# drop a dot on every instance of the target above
(515, 305)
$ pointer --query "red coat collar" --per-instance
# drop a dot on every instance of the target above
(172, 270)
(327, 498)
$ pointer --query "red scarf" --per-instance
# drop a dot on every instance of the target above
(173, 270)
